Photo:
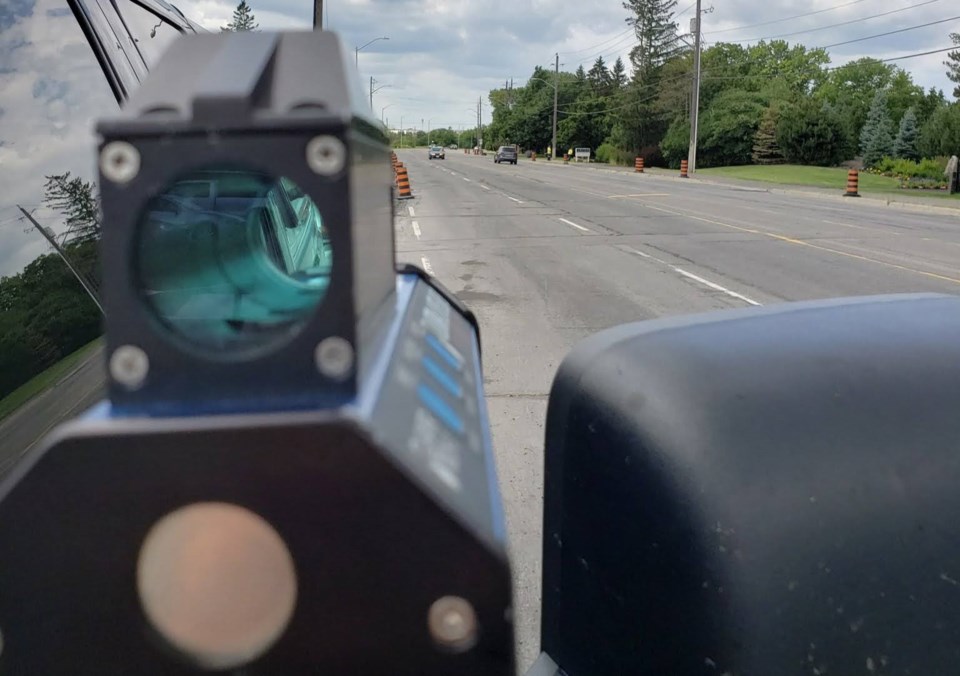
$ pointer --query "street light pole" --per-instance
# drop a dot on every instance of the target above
(695, 97)
(556, 87)
(356, 50)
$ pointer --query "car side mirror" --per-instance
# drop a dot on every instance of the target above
(765, 491)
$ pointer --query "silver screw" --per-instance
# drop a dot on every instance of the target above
(119, 162)
(129, 366)
(453, 624)
(326, 155)
(334, 357)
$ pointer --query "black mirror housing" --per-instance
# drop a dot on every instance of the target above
(763, 491)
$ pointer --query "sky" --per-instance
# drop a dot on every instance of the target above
(442, 57)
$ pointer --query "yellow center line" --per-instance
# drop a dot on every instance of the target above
(790, 240)
(863, 227)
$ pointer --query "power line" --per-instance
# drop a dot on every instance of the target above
(786, 18)
(690, 6)
(900, 30)
(599, 44)
(836, 25)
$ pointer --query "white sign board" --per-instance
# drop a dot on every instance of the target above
(582, 154)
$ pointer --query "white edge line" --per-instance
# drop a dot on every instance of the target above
(412, 212)
(707, 282)
(575, 225)
(467, 179)
(416, 230)
(514, 199)
(426, 265)
(485, 187)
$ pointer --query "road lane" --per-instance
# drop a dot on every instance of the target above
(538, 286)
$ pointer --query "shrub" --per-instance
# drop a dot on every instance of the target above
(810, 133)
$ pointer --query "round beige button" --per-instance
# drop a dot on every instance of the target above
(217, 582)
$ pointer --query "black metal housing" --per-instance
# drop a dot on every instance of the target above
(251, 100)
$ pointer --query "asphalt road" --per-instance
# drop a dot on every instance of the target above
(548, 254)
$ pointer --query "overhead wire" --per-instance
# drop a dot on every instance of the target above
(899, 30)
(836, 25)
(786, 18)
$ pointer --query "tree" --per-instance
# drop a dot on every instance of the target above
(908, 137)
(766, 150)
(810, 132)
(876, 137)
(599, 77)
(727, 128)
(243, 19)
(850, 89)
(618, 74)
(941, 133)
(953, 64)
(656, 34)
(77, 202)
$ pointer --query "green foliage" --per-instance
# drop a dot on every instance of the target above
(809, 132)
(850, 89)
(953, 64)
(941, 133)
(676, 142)
(876, 137)
(766, 150)
(929, 168)
(610, 154)
(243, 19)
(656, 34)
(908, 137)
(727, 129)
(45, 314)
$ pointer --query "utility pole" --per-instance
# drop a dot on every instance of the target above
(556, 87)
(371, 92)
(318, 15)
(63, 254)
(695, 97)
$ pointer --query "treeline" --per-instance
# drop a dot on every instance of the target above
(45, 315)
(766, 103)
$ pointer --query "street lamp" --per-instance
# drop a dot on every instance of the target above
(356, 50)
(382, 111)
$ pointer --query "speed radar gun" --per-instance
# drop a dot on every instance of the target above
(294, 475)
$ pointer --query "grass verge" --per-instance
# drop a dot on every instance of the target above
(818, 177)
(43, 381)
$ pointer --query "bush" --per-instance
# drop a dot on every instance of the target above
(809, 133)
(606, 153)
(676, 143)
(727, 129)
(926, 169)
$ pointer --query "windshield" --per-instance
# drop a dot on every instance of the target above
(661, 162)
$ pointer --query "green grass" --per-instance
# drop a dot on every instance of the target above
(45, 380)
(817, 177)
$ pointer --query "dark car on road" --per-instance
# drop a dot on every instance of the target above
(436, 152)
(506, 154)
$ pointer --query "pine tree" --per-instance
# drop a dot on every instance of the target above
(599, 76)
(876, 138)
(766, 150)
(905, 145)
(656, 33)
(618, 74)
(953, 64)
(243, 19)
(76, 201)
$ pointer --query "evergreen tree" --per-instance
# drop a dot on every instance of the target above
(905, 145)
(618, 74)
(599, 76)
(953, 65)
(656, 34)
(76, 201)
(876, 138)
(766, 150)
(243, 19)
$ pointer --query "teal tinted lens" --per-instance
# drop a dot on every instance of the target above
(233, 260)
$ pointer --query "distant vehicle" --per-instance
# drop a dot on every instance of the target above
(436, 152)
(506, 154)
(453, 146)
